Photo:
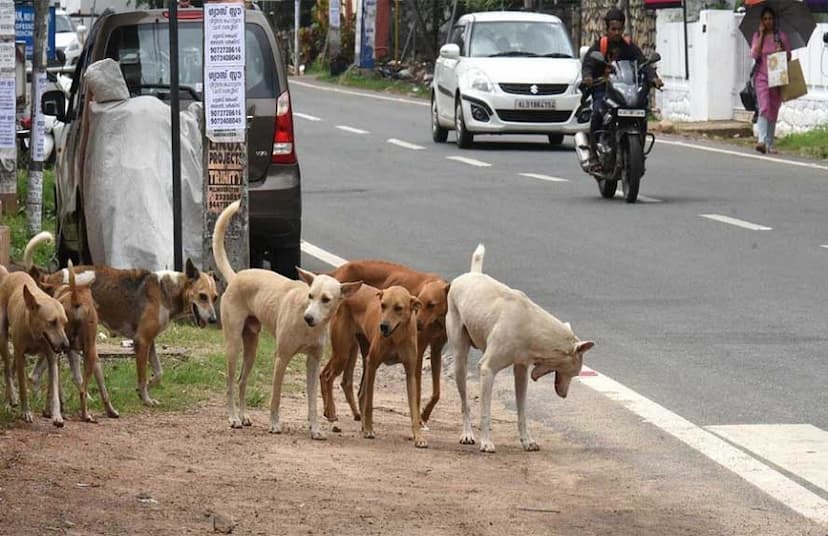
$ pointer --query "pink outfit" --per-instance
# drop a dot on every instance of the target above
(770, 99)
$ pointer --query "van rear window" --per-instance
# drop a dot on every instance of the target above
(143, 52)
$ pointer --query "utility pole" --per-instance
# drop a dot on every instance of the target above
(8, 106)
(34, 196)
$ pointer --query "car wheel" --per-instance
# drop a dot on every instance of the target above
(438, 133)
(464, 137)
(556, 139)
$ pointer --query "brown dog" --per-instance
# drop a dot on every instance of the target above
(82, 329)
(140, 304)
(387, 321)
(431, 290)
(36, 323)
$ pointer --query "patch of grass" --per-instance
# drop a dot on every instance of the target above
(17, 222)
(188, 381)
(813, 143)
(370, 80)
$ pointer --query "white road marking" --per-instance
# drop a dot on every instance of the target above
(293, 80)
(643, 198)
(322, 255)
(469, 161)
(405, 144)
(824, 246)
(543, 177)
(801, 449)
(737, 222)
(353, 130)
(306, 116)
(743, 155)
(772, 482)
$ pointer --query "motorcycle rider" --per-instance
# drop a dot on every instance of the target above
(614, 46)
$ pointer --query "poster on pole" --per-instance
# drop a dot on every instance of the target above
(39, 123)
(224, 75)
(368, 33)
(333, 14)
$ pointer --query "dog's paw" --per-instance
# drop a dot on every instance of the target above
(246, 421)
(155, 380)
(467, 439)
(150, 402)
(28, 417)
(275, 428)
(487, 446)
(112, 413)
(530, 445)
(89, 418)
(235, 422)
(357, 417)
(318, 435)
(421, 443)
(368, 434)
(58, 422)
(330, 417)
(424, 426)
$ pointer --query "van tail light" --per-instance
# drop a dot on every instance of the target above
(284, 151)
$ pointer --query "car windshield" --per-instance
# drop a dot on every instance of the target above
(63, 24)
(512, 38)
(143, 53)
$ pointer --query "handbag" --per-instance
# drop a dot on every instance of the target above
(748, 93)
(796, 86)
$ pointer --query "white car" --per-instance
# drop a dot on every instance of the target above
(68, 37)
(506, 72)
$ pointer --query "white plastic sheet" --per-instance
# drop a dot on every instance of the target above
(127, 178)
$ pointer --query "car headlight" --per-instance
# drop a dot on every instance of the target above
(575, 85)
(476, 79)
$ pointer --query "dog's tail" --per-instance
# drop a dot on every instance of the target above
(477, 259)
(219, 253)
(44, 237)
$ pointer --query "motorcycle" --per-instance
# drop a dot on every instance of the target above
(621, 144)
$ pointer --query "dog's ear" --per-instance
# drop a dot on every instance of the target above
(379, 294)
(583, 346)
(190, 269)
(350, 288)
(306, 276)
(446, 288)
(416, 304)
(31, 301)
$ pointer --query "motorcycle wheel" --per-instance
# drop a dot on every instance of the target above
(607, 188)
(633, 168)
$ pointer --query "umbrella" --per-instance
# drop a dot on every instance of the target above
(792, 17)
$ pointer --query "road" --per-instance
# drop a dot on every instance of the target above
(706, 299)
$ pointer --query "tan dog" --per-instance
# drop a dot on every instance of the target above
(510, 329)
(431, 290)
(140, 304)
(387, 320)
(82, 330)
(36, 323)
(296, 313)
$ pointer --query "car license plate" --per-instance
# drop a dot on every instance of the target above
(632, 113)
(534, 104)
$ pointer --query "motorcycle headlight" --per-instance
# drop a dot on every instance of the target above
(476, 79)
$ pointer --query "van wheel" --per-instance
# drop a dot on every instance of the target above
(465, 139)
(556, 139)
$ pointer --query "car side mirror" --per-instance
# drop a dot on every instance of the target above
(583, 52)
(450, 51)
(54, 103)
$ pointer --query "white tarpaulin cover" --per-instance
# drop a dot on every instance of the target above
(127, 176)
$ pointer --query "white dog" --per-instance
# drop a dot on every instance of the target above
(296, 313)
(510, 329)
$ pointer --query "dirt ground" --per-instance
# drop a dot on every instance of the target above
(189, 473)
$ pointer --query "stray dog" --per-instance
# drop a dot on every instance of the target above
(510, 329)
(387, 320)
(432, 291)
(140, 304)
(296, 313)
(77, 301)
(36, 323)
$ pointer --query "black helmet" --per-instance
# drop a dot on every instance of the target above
(615, 14)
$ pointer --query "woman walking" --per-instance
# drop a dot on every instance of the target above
(767, 41)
